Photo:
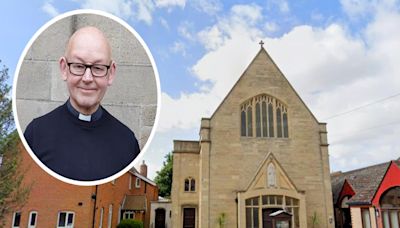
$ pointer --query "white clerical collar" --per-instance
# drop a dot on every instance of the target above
(88, 118)
(85, 117)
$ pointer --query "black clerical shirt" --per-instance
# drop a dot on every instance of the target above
(81, 150)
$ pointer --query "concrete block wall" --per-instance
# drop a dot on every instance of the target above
(132, 98)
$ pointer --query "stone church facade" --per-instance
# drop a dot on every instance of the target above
(261, 160)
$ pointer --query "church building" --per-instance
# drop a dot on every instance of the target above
(261, 160)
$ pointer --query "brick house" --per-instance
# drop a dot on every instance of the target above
(368, 197)
(261, 159)
(53, 203)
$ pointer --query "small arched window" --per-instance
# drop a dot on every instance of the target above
(190, 184)
(271, 175)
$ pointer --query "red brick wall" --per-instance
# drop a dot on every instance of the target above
(48, 196)
(114, 194)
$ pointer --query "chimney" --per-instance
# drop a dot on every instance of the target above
(143, 169)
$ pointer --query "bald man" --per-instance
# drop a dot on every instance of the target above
(80, 140)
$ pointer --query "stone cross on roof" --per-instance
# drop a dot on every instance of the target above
(261, 43)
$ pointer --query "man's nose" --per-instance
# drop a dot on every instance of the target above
(87, 76)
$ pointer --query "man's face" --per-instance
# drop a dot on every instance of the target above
(87, 46)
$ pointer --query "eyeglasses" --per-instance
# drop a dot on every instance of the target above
(79, 69)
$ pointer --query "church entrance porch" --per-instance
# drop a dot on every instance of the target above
(272, 211)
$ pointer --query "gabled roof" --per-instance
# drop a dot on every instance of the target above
(137, 174)
(365, 182)
(260, 175)
(262, 50)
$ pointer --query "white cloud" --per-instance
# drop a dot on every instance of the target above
(271, 27)
(250, 14)
(164, 23)
(240, 22)
(144, 10)
(210, 7)
(282, 5)
(331, 69)
(179, 47)
(50, 9)
(140, 10)
(361, 8)
(170, 3)
(186, 30)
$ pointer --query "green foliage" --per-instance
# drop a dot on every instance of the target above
(164, 177)
(11, 193)
(315, 219)
(130, 223)
(6, 118)
(221, 220)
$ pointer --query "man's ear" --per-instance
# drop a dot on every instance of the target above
(112, 71)
(63, 68)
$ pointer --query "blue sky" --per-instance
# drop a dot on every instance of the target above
(338, 55)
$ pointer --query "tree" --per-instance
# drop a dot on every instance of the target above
(164, 177)
(12, 194)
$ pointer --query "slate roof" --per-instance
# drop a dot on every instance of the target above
(365, 182)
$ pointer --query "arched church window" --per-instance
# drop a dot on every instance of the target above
(186, 185)
(243, 123)
(269, 114)
(190, 184)
(258, 120)
(264, 119)
(278, 122)
(249, 121)
(270, 120)
(271, 175)
(285, 126)
(281, 121)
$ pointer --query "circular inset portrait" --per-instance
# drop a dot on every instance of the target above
(86, 97)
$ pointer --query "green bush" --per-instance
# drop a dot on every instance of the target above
(129, 223)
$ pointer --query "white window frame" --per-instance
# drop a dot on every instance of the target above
(119, 213)
(13, 221)
(101, 217)
(67, 213)
(126, 213)
(137, 182)
(130, 182)
(30, 218)
(110, 212)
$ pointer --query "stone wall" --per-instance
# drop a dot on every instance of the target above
(234, 159)
(132, 98)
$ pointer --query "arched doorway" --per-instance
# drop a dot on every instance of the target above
(160, 218)
(390, 208)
